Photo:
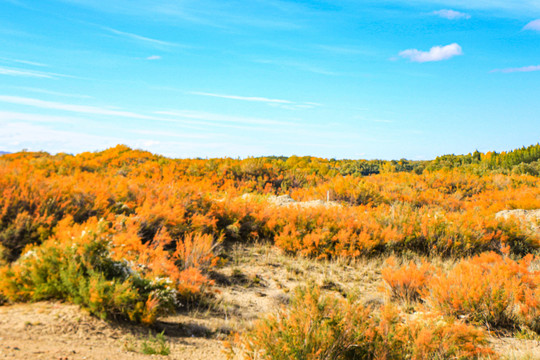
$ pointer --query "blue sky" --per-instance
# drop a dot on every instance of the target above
(209, 78)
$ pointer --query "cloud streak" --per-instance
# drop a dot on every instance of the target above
(32, 63)
(520, 69)
(17, 116)
(186, 118)
(298, 65)
(219, 118)
(37, 137)
(9, 71)
(451, 14)
(83, 109)
(511, 6)
(25, 62)
(436, 53)
(533, 25)
(143, 39)
(281, 103)
(244, 98)
(55, 93)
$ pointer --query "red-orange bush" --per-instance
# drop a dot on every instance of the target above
(488, 289)
(406, 282)
(318, 326)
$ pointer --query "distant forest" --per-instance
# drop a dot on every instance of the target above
(525, 160)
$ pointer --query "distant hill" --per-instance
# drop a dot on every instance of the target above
(4, 152)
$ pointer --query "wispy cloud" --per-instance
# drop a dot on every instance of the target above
(344, 50)
(244, 98)
(174, 134)
(510, 6)
(10, 71)
(375, 120)
(520, 69)
(211, 13)
(25, 62)
(451, 14)
(298, 65)
(17, 135)
(533, 25)
(213, 117)
(40, 118)
(55, 93)
(82, 109)
(186, 118)
(154, 57)
(33, 63)
(143, 39)
(284, 104)
(21, 72)
(436, 53)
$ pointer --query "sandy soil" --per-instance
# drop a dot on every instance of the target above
(256, 281)
(62, 331)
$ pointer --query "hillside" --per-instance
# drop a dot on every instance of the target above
(207, 248)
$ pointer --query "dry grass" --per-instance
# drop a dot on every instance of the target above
(254, 281)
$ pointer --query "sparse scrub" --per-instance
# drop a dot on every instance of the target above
(155, 345)
(78, 267)
(131, 235)
(490, 289)
(406, 282)
(318, 326)
(149, 345)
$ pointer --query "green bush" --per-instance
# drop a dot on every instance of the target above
(82, 271)
(156, 345)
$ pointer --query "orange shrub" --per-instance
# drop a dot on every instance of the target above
(408, 281)
(317, 326)
(447, 213)
(488, 289)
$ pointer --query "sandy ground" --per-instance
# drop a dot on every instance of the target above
(62, 331)
(255, 282)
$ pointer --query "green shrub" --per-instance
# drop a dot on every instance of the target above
(156, 345)
(82, 271)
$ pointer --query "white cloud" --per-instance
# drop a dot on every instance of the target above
(212, 117)
(168, 133)
(24, 73)
(33, 63)
(533, 25)
(140, 38)
(436, 53)
(25, 62)
(154, 57)
(244, 98)
(28, 73)
(17, 116)
(298, 65)
(520, 69)
(84, 109)
(284, 104)
(186, 118)
(451, 14)
(56, 93)
(16, 135)
(512, 6)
